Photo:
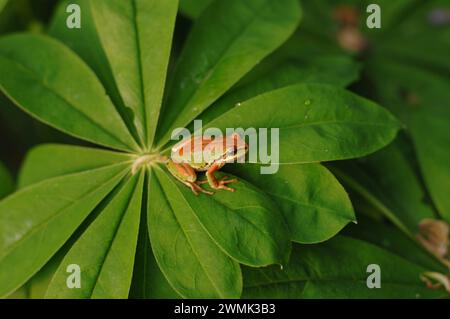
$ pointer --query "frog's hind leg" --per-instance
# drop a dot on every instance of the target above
(195, 187)
(186, 174)
(221, 183)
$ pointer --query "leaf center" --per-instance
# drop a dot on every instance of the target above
(145, 160)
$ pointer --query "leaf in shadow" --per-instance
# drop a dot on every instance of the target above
(337, 269)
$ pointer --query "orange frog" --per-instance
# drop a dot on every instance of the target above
(215, 153)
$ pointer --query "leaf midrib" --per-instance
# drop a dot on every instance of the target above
(140, 71)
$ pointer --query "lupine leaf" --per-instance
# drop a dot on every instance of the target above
(192, 263)
(105, 251)
(314, 204)
(54, 93)
(316, 123)
(36, 221)
(216, 57)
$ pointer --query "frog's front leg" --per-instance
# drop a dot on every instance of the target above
(186, 174)
(221, 183)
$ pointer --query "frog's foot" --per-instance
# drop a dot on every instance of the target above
(222, 183)
(196, 189)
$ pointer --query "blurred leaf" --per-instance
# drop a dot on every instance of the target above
(415, 52)
(105, 252)
(314, 204)
(337, 269)
(421, 99)
(388, 237)
(6, 181)
(316, 122)
(388, 182)
(216, 57)
(193, 8)
(189, 258)
(51, 160)
(36, 221)
(38, 84)
(2, 4)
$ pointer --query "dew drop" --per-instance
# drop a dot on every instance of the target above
(238, 104)
(308, 102)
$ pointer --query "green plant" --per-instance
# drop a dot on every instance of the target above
(146, 235)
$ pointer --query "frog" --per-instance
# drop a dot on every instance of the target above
(216, 152)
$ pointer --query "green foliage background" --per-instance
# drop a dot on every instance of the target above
(364, 148)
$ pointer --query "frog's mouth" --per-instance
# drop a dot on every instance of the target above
(146, 160)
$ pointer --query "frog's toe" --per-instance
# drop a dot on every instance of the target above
(197, 189)
(224, 187)
(225, 180)
(222, 184)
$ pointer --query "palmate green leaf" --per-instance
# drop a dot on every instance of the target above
(194, 8)
(63, 93)
(36, 221)
(51, 160)
(337, 269)
(225, 43)
(246, 224)
(127, 43)
(6, 181)
(105, 252)
(316, 122)
(190, 260)
(336, 71)
(395, 192)
(420, 99)
(314, 204)
(136, 37)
